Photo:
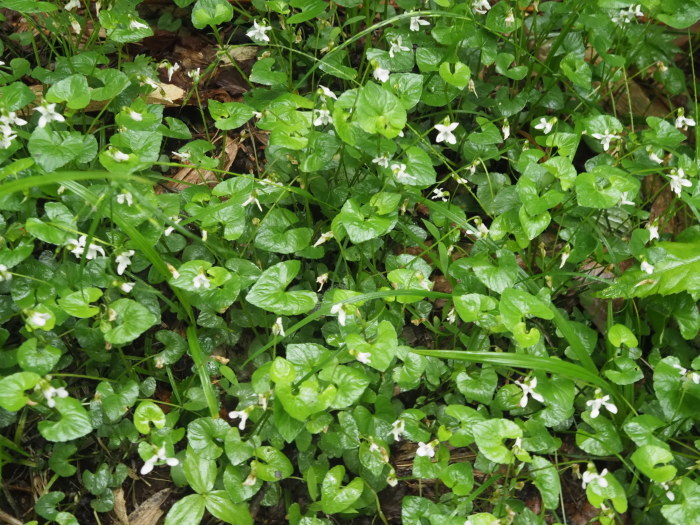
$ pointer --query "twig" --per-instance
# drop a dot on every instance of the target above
(6, 518)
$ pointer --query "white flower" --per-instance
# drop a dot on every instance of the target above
(117, 156)
(694, 377)
(653, 231)
(73, 4)
(278, 328)
(510, 18)
(182, 156)
(262, 401)
(123, 261)
(400, 173)
(254, 199)
(391, 479)
(396, 47)
(416, 22)
(321, 281)
(546, 125)
(682, 122)
(451, 316)
(382, 160)
(251, 479)
(5, 275)
(325, 92)
(598, 402)
(126, 287)
(48, 114)
(439, 193)
(258, 32)
(481, 6)
(39, 319)
(135, 115)
(149, 82)
(52, 392)
(79, 248)
(6, 140)
(646, 267)
(242, 414)
(528, 388)
(201, 281)
(324, 238)
(323, 117)
(171, 229)
(339, 309)
(564, 257)
(669, 493)
(590, 476)
(425, 449)
(678, 181)
(11, 119)
(173, 271)
(363, 357)
(380, 74)
(397, 428)
(625, 200)
(195, 75)
(625, 16)
(445, 132)
(125, 197)
(135, 24)
(605, 138)
(505, 129)
(653, 156)
(161, 455)
(170, 68)
(682, 371)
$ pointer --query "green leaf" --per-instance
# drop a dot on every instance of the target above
(479, 389)
(271, 464)
(114, 83)
(230, 115)
(211, 13)
(59, 459)
(38, 358)
(499, 277)
(378, 111)
(600, 437)
(269, 292)
(576, 69)
(146, 413)
(533, 225)
(459, 477)
(77, 303)
(205, 436)
(28, 6)
(419, 167)
(619, 334)
(547, 481)
(54, 149)
(132, 320)
(647, 458)
(604, 187)
(457, 74)
(200, 472)
(262, 73)
(305, 399)
(189, 510)
(12, 389)
(73, 90)
(382, 351)
(221, 507)
(361, 223)
(490, 435)
(405, 279)
(334, 497)
(74, 422)
(275, 234)
(308, 9)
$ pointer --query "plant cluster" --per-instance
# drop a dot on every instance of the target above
(464, 271)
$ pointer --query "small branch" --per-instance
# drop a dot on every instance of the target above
(6, 518)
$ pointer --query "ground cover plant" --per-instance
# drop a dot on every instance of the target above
(338, 261)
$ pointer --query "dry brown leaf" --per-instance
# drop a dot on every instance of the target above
(149, 512)
(120, 507)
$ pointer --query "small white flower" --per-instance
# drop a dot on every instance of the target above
(201, 281)
(251, 479)
(363, 357)
(79, 248)
(416, 22)
(624, 199)
(170, 68)
(126, 287)
(321, 281)
(6, 140)
(654, 157)
(48, 114)
(195, 75)
(5, 274)
(481, 6)
(52, 392)
(242, 414)
(135, 115)
(653, 231)
(161, 455)
(323, 117)
(678, 181)
(339, 309)
(149, 82)
(173, 271)
(669, 493)
(591, 475)
(39, 319)
(682, 371)
(451, 316)
(253, 199)
(135, 24)
(380, 74)
(528, 388)
(600, 401)
(646, 267)
(325, 92)
(439, 193)
(73, 4)
(123, 261)
(400, 173)
(694, 377)
(505, 129)
(148, 465)
(445, 132)
(117, 156)
(625, 16)
(564, 256)
(391, 479)
(397, 428)
(171, 229)
(382, 160)
(545, 125)
(324, 238)
(258, 32)
(278, 328)
(397, 47)
(262, 401)
(605, 138)
(11, 119)
(425, 449)
(182, 156)
(510, 18)
(682, 122)
(125, 197)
